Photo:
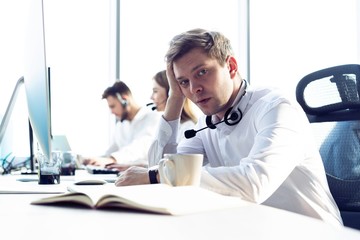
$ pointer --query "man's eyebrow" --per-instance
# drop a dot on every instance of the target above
(197, 67)
(180, 78)
(192, 70)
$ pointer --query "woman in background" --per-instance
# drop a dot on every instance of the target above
(159, 97)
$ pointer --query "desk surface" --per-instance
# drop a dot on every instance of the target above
(20, 220)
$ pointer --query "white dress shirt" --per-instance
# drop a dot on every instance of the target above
(132, 139)
(269, 157)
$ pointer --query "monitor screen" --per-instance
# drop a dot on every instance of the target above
(36, 77)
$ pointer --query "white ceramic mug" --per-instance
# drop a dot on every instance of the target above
(181, 169)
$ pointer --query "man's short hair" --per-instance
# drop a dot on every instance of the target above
(215, 44)
(118, 87)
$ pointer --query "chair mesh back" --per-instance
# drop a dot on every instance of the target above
(330, 98)
(329, 90)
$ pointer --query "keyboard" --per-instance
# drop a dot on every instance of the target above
(100, 170)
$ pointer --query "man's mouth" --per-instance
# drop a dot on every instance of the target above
(203, 101)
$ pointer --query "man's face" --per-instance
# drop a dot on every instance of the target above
(115, 106)
(204, 81)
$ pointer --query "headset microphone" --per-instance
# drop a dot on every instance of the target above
(152, 108)
(192, 132)
(233, 119)
(155, 107)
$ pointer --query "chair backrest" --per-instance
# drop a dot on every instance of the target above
(331, 100)
(331, 94)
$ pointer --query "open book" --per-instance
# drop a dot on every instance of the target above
(157, 198)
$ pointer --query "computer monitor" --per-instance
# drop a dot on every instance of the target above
(36, 76)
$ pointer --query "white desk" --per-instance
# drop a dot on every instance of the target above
(20, 220)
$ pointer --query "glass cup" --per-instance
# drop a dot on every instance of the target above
(68, 163)
(49, 169)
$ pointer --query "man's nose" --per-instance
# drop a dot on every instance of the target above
(195, 87)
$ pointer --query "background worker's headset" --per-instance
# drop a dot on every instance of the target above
(124, 103)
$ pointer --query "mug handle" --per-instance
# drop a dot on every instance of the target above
(162, 164)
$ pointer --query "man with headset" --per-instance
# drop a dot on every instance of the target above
(256, 142)
(134, 130)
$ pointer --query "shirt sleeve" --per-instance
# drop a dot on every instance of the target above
(113, 145)
(111, 149)
(165, 141)
(187, 125)
(136, 150)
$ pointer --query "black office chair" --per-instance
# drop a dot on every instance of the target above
(330, 98)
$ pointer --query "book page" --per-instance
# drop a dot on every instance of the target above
(78, 198)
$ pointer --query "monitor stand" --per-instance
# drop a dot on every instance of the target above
(32, 170)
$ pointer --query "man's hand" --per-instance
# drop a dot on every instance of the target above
(176, 98)
(133, 176)
(175, 90)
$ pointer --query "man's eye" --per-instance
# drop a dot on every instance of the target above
(184, 82)
(202, 72)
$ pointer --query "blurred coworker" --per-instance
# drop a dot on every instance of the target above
(134, 130)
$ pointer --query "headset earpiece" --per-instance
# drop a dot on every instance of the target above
(234, 117)
(123, 102)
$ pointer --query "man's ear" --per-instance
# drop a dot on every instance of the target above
(232, 65)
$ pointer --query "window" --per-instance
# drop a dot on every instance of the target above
(290, 39)
(146, 28)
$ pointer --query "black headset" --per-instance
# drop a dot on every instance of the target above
(230, 118)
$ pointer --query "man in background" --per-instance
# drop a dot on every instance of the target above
(134, 130)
